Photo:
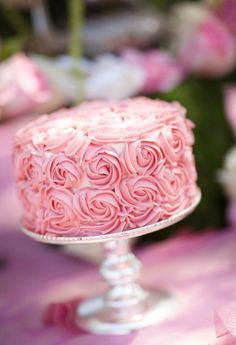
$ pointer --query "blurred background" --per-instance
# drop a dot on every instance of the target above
(56, 53)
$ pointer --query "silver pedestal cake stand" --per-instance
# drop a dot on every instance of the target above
(125, 306)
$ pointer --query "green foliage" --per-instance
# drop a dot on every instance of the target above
(10, 46)
(76, 20)
(15, 20)
(76, 11)
(203, 99)
(14, 30)
(164, 4)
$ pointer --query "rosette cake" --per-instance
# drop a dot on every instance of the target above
(105, 167)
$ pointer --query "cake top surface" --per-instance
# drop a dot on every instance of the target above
(104, 121)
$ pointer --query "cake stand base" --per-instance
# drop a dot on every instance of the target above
(125, 306)
(97, 316)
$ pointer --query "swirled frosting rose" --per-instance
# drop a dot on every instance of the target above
(105, 167)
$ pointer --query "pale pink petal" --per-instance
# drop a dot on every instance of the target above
(162, 71)
(230, 105)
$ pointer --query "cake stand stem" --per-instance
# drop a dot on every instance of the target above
(121, 270)
(125, 306)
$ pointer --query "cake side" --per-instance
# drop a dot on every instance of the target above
(105, 167)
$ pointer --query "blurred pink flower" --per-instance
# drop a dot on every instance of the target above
(201, 41)
(33, 85)
(226, 10)
(162, 71)
(227, 178)
(230, 105)
(22, 86)
(231, 213)
(62, 314)
(227, 175)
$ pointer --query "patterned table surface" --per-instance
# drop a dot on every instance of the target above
(199, 269)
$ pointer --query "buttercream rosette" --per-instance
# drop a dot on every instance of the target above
(105, 167)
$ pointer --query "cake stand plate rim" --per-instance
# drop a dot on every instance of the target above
(127, 234)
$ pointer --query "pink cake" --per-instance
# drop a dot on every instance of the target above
(105, 167)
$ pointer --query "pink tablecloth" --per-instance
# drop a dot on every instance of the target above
(199, 269)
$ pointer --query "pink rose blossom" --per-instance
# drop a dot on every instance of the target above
(103, 166)
(59, 215)
(226, 11)
(202, 41)
(99, 211)
(33, 85)
(162, 71)
(141, 200)
(173, 141)
(142, 157)
(29, 203)
(28, 167)
(230, 105)
(22, 87)
(62, 171)
(177, 187)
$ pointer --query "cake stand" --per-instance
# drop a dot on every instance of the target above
(125, 306)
